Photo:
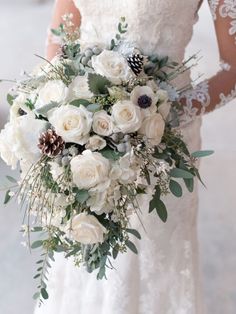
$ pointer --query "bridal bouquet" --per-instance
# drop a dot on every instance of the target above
(94, 130)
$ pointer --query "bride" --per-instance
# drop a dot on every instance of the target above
(163, 278)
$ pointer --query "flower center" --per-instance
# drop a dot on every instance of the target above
(144, 101)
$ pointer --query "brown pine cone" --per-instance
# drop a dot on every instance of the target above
(50, 143)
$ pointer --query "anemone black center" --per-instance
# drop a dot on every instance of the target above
(144, 101)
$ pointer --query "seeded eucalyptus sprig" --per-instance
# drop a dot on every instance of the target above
(122, 29)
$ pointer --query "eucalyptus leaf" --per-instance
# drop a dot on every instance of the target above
(7, 197)
(93, 107)
(134, 232)
(36, 244)
(10, 99)
(44, 293)
(175, 188)
(11, 179)
(43, 111)
(82, 196)
(161, 210)
(36, 295)
(180, 173)
(202, 153)
(111, 154)
(79, 102)
(156, 198)
(131, 246)
(189, 184)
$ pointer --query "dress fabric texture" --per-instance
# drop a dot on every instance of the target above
(163, 278)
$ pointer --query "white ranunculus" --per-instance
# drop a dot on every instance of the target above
(19, 140)
(89, 169)
(153, 128)
(102, 123)
(145, 98)
(96, 142)
(164, 109)
(112, 65)
(52, 91)
(86, 229)
(79, 88)
(72, 123)
(127, 116)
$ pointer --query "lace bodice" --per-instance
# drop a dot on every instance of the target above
(166, 34)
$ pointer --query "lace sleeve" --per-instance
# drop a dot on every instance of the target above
(221, 88)
(61, 8)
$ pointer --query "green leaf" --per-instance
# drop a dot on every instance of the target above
(115, 252)
(134, 232)
(11, 179)
(44, 293)
(175, 188)
(82, 196)
(131, 246)
(147, 175)
(36, 295)
(36, 229)
(36, 276)
(121, 29)
(98, 84)
(102, 273)
(7, 197)
(202, 153)
(161, 210)
(79, 102)
(10, 99)
(113, 44)
(156, 198)
(180, 173)
(111, 154)
(44, 110)
(189, 184)
(36, 244)
(93, 107)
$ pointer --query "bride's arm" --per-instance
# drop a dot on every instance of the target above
(61, 8)
(221, 88)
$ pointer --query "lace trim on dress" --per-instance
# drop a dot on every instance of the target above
(225, 66)
(224, 99)
(200, 94)
(228, 9)
(213, 6)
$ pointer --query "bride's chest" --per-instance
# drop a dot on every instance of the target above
(137, 9)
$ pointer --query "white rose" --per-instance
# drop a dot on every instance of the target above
(52, 91)
(145, 98)
(86, 229)
(127, 116)
(164, 109)
(72, 123)
(79, 88)
(112, 65)
(153, 127)
(96, 143)
(89, 169)
(19, 140)
(7, 142)
(102, 123)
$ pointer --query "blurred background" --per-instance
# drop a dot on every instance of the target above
(23, 26)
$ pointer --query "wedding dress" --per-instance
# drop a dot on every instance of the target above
(163, 278)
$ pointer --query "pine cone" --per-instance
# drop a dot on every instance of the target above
(50, 143)
(136, 63)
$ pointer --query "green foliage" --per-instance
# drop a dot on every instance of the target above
(111, 154)
(180, 173)
(176, 188)
(82, 196)
(189, 184)
(79, 102)
(8, 197)
(202, 153)
(11, 179)
(10, 99)
(43, 111)
(158, 205)
(131, 246)
(37, 244)
(134, 232)
(98, 84)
